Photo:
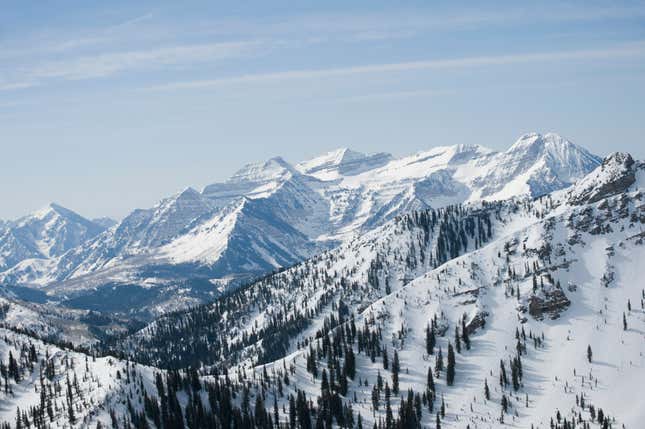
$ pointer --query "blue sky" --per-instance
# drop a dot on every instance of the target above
(109, 106)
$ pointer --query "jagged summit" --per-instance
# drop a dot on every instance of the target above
(615, 175)
(283, 213)
(272, 169)
(52, 209)
(46, 233)
(342, 162)
(254, 180)
(535, 165)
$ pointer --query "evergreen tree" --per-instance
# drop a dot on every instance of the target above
(624, 322)
(504, 404)
(430, 339)
(395, 373)
(464, 333)
(450, 369)
(503, 381)
(430, 383)
(438, 366)
(385, 358)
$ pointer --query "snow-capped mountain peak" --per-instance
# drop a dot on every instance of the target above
(342, 162)
(46, 233)
(254, 180)
(271, 214)
(535, 165)
(275, 168)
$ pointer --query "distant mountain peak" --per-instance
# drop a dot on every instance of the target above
(342, 161)
(535, 140)
(46, 211)
(188, 193)
(272, 169)
(54, 209)
(272, 213)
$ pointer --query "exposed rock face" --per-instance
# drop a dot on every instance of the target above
(479, 321)
(553, 303)
(616, 173)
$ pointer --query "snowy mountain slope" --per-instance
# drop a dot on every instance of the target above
(136, 234)
(542, 296)
(53, 386)
(271, 215)
(560, 273)
(61, 325)
(44, 234)
(342, 162)
(56, 387)
(535, 165)
(270, 316)
(105, 222)
(555, 371)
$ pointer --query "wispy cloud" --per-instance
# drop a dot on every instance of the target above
(102, 65)
(624, 50)
(395, 95)
(99, 52)
(131, 21)
(14, 86)
(399, 23)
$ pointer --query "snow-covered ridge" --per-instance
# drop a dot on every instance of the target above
(546, 279)
(292, 212)
(615, 175)
(46, 233)
(535, 303)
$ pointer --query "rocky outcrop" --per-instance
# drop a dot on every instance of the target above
(479, 321)
(551, 304)
(616, 173)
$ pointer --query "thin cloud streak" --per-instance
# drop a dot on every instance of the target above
(14, 86)
(102, 65)
(394, 95)
(625, 50)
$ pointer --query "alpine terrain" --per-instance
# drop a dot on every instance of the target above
(193, 246)
(455, 288)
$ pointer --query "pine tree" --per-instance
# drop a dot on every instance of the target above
(515, 373)
(486, 390)
(385, 358)
(395, 373)
(464, 333)
(504, 404)
(430, 339)
(589, 353)
(375, 398)
(624, 322)
(503, 381)
(430, 383)
(450, 369)
(438, 366)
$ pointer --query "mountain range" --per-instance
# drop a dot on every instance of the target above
(267, 216)
(525, 311)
